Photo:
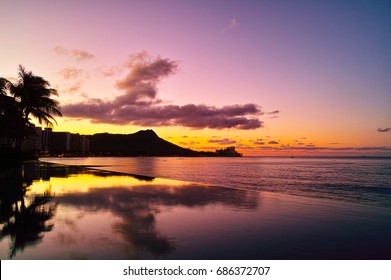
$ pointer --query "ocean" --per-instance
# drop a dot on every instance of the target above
(358, 180)
(216, 208)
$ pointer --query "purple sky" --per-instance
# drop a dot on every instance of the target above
(323, 65)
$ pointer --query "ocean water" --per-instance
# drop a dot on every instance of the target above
(52, 211)
(359, 180)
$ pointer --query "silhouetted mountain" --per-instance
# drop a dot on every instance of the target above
(142, 143)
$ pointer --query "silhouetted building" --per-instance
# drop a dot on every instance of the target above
(47, 139)
(79, 143)
(60, 142)
(228, 152)
(33, 142)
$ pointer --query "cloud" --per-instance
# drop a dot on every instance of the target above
(139, 104)
(317, 148)
(273, 142)
(383, 148)
(273, 112)
(388, 129)
(232, 24)
(144, 74)
(259, 141)
(70, 73)
(112, 71)
(73, 79)
(79, 55)
(224, 141)
(191, 116)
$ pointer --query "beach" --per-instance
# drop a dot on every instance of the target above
(82, 213)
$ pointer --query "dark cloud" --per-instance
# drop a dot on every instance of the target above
(144, 74)
(388, 129)
(259, 141)
(267, 148)
(224, 141)
(273, 142)
(192, 116)
(79, 55)
(139, 104)
(383, 148)
(273, 112)
(316, 148)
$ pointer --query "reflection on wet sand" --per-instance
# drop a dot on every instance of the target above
(64, 212)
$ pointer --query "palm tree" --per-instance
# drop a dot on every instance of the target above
(3, 86)
(10, 117)
(34, 97)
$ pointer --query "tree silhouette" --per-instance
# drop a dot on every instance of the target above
(31, 95)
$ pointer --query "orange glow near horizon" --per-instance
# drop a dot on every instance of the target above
(290, 142)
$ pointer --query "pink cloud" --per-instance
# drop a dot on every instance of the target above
(78, 54)
(139, 104)
(224, 141)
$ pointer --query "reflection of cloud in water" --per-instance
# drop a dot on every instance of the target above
(68, 222)
(138, 207)
(65, 239)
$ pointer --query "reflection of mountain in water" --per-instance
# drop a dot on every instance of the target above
(137, 208)
(135, 205)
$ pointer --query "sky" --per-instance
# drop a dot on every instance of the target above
(268, 77)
